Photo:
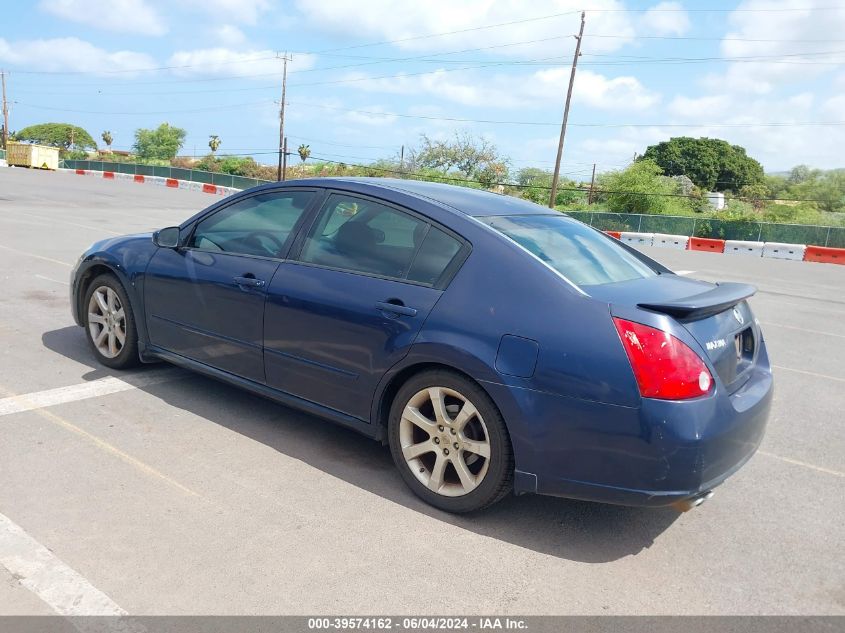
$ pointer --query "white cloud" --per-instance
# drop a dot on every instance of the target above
(785, 38)
(229, 35)
(666, 18)
(598, 91)
(740, 120)
(240, 11)
(227, 62)
(75, 55)
(120, 16)
(707, 108)
(390, 20)
(834, 107)
(508, 91)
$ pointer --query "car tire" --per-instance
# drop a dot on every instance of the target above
(457, 455)
(108, 317)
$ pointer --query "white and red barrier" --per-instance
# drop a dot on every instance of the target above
(637, 239)
(784, 251)
(743, 247)
(160, 181)
(664, 240)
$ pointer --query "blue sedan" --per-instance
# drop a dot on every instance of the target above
(495, 345)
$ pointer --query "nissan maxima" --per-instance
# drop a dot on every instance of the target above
(495, 345)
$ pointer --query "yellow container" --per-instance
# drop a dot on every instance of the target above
(35, 156)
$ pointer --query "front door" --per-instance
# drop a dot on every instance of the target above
(351, 305)
(205, 301)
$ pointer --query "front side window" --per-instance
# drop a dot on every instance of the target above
(258, 225)
(576, 251)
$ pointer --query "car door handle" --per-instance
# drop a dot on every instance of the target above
(249, 282)
(396, 308)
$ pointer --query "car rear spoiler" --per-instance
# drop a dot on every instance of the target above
(720, 298)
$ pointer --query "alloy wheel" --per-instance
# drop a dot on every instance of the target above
(106, 322)
(444, 441)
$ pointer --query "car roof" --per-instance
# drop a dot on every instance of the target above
(474, 202)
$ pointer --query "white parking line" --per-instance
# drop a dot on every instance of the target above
(55, 281)
(46, 259)
(796, 462)
(809, 373)
(802, 329)
(44, 574)
(72, 393)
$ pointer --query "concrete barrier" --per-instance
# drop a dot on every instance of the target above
(741, 247)
(156, 180)
(664, 240)
(784, 251)
(139, 178)
(616, 234)
(706, 244)
(637, 239)
(824, 255)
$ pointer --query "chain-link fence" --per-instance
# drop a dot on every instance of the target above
(194, 175)
(604, 220)
(714, 228)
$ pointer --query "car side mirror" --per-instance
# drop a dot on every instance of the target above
(167, 238)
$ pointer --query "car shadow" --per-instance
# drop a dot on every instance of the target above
(568, 529)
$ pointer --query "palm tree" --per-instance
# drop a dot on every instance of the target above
(304, 152)
(107, 139)
(213, 142)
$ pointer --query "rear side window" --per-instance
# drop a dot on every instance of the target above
(257, 225)
(364, 236)
(437, 251)
(576, 251)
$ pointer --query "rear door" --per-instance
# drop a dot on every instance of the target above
(351, 304)
(205, 301)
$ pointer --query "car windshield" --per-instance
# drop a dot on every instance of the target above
(576, 251)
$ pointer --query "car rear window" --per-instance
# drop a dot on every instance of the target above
(579, 253)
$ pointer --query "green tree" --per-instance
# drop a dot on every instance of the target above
(213, 143)
(62, 135)
(712, 164)
(162, 143)
(802, 173)
(107, 139)
(471, 157)
(534, 177)
(637, 189)
(304, 151)
(827, 190)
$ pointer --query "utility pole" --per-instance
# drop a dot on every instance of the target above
(282, 149)
(285, 159)
(402, 158)
(5, 111)
(555, 175)
(592, 184)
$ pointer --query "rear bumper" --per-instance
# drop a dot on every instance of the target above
(653, 455)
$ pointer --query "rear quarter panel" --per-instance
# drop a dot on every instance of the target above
(502, 290)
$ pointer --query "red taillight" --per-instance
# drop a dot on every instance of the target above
(665, 368)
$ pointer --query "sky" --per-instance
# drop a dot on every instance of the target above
(370, 76)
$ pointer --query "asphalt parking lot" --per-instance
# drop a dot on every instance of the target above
(169, 493)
